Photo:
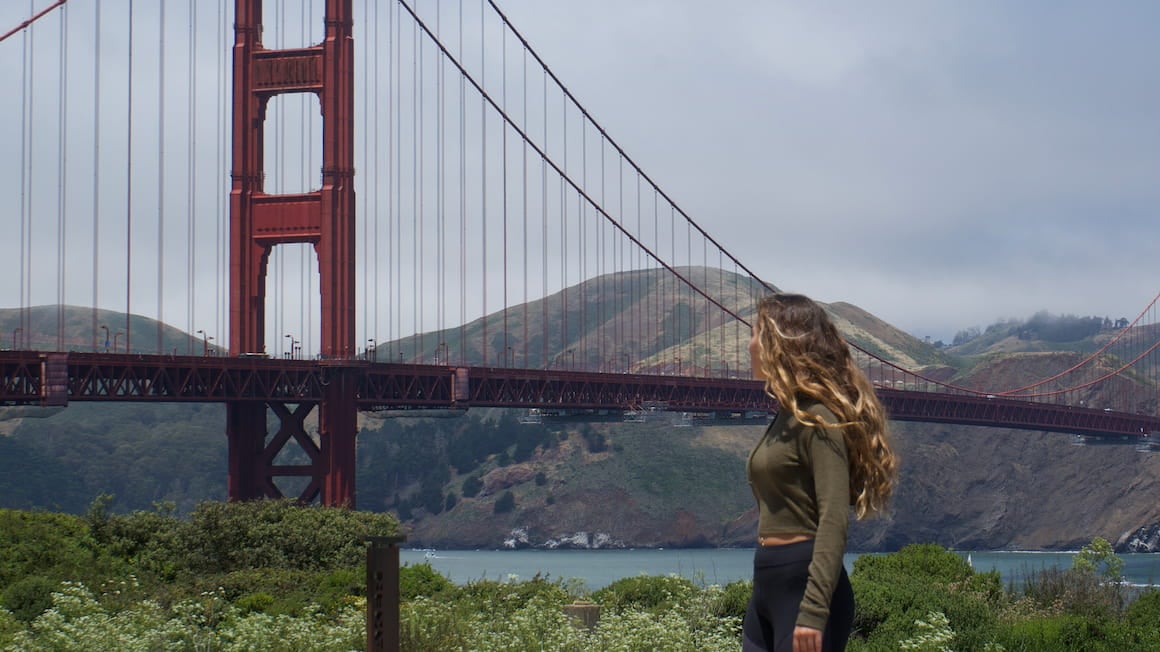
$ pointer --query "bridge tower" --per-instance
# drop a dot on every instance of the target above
(324, 218)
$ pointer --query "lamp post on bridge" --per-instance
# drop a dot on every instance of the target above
(117, 336)
(372, 352)
(204, 342)
(106, 338)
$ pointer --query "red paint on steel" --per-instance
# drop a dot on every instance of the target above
(325, 219)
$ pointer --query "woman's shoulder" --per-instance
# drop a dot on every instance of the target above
(819, 409)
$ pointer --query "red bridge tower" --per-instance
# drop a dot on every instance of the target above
(324, 218)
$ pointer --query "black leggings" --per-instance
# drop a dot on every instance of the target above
(779, 582)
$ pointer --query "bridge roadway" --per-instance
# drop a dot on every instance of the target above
(40, 378)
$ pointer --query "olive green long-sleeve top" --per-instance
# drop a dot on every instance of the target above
(800, 476)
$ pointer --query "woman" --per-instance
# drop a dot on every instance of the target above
(826, 450)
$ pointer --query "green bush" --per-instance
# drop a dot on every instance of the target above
(734, 599)
(1075, 592)
(293, 591)
(421, 580)
(506, 503)
(501, 599)
(28, 597)
(223, 537)
(895, 593)
(471, 486)
(646, 592)
(1144, 612)
(56, 546)
(1096, 635)
(255, 602)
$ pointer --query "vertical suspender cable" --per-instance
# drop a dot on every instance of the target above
(392, 146)
(96, 165)
(416, 176)
(365, 205)
(544, 227)
(219, 243)
(311, 259)
(129, 193)
(524, 187)
(160, 175)
(623, 278)
(62, 180)
(191, 187)
(582, 229)
(504, 179)
(564, 339)
(639, 296)
(281, 328)
(462, 200)
(607, 259)
(397, 278)
(659, 286)
(26, 119)
(373, 179)
(440, 199)
(483, 170)
(419, 216)
(305, 254)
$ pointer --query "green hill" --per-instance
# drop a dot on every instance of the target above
(486, 480)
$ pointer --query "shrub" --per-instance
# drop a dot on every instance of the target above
(472, 486)
(1144, 612)
(734, 599)
(501, 599)
(251, 602)
(1075, 592)
(421, 580)
(505, 504)
(647, 592)
(293, 591)
(894, 593)
(224, 537)
(29, 597)
(56, 546)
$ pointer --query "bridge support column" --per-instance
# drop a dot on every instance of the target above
(338, 423)
(246, 430)
(325, 218)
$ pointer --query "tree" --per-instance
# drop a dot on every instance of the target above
(471, 486)
(506, 503)
(1098, 558)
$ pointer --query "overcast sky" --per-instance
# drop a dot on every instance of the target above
(940, 164)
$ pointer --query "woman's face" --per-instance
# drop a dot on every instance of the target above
(755, 354)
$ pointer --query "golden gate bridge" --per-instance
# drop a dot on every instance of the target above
(504, 250)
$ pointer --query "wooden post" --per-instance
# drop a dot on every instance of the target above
(583, 613)
(383, 593)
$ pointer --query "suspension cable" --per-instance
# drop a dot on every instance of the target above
(34, 18)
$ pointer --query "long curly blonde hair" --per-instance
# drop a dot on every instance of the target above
(803, 359)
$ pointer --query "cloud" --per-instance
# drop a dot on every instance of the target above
(940, 164)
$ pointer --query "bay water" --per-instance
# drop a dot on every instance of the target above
(598, 568)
